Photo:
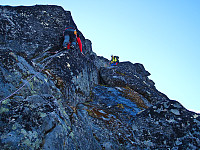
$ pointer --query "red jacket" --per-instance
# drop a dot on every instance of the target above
(78, 39)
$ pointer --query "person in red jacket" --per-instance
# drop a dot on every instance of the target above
(71, 37)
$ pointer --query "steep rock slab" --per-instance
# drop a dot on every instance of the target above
(35, 116)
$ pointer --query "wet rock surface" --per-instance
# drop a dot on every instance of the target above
(65, 100)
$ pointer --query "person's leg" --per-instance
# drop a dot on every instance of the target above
(73, 40)
(66, 40)
(74, 43)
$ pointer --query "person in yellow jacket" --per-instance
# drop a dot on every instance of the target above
(114, 60)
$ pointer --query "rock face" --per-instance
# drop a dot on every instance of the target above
(65, 100)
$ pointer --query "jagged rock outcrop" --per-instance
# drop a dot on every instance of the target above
(167, 125)
(65, 100)
(133, 76)
(30, 30)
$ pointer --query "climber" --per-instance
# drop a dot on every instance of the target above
(71, 37)
(114, 60)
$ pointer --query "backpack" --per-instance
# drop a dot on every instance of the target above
(116, 59)
(69, 30)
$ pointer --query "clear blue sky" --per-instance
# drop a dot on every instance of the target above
(163, 35)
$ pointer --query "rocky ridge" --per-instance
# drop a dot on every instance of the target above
(70, 101)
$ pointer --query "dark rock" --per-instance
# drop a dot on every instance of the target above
(33, 29)
(167, 125)
(134, 76)
(65, 100)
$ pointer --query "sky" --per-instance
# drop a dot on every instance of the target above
(163, 35)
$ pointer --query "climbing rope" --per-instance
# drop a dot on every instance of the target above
(31, 77)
